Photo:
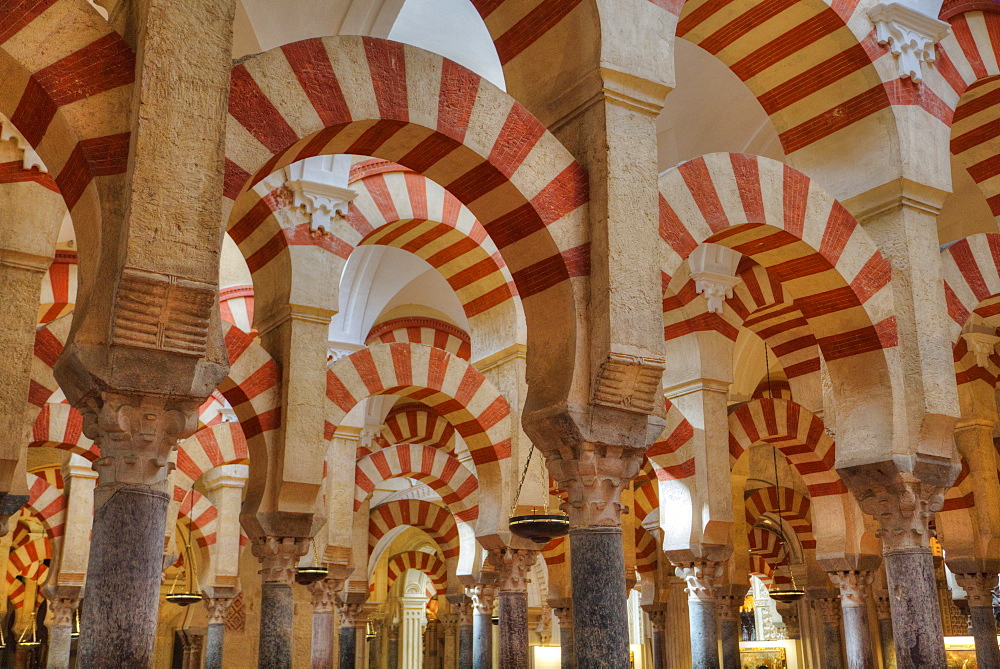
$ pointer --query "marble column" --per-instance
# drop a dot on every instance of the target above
(215, 634)
(855, 591)
(62, 611)
(464, 610)
(352, 614)
(882, 610)
(828, 610)
(728, 601)
(701, 578)
(567, 647)
(658, 621)
(449, 627)
(324, 603)
(392, 647)
(483, 597)
(512, 566)
(278, 558)
(979, 594)
(375, 644)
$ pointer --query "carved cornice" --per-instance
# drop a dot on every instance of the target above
(278, 557)
(855, 587)
(701, 578)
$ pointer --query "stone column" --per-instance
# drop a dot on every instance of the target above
(278, 557)
(375, 643)
(513, 565)
(658, 621)
(855, 590)
(324, 601)
(216, 633)
(62, 611)
(350, 615)
(979, 594)
(464, 610)
(567, 647)
(483, 596)
(701, 578)
(449, 625)
(888, 647)
(828, 609)
(412, 631)
(789, 612)
(729, 599)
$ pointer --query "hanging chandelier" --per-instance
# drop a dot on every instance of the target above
(540, 528)
(311, 574)
(191, 596)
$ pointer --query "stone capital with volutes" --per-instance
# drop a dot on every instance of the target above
(351, 614)
(483, 595)
(594, 481)
(978, 588)
(324, 594)
(513, 566)
(217, 608)
(855, 587)
(279, 557)
(701, 578)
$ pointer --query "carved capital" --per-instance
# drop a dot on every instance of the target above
(629, 382)
(883, 609)
(29, 159)
(827, 608)
(565, 616)
(903, 508)
(483, 596)
(978, 588)
(217, 608)
(701, 578)
(910, 35)
(278, 557)
(789, 612)
(464, 611)
(727, 607)
(658, 619)
(512, 566)
(855, 586)
(324, 594)
(62, 609)
(593, 483)
(351, 614)
(982, 345)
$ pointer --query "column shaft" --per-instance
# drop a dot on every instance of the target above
(123, 579)
(214, 641)
(730, 632)
(600, 612)
(858, 638)
(513, 636)
(832, 645)
(276, 621)
(984, 629)
(60, 645)
(465, 647)
(322, 640)
(567, 647)
(704, 637)
(916, 617)
(659, 643)
(348, 647)
(887, 644)
(482, 640)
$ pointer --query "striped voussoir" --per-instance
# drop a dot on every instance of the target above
(961, 496)
(27, 561)
(446, 383)
(61, 426)
(645, 491)
(417, 423)
(776, 388)
(47, 503)
(824, 260)
(236, 306)
(554, 552)
(49, 342)
(768, 545)
(969, 63)
(452, 480)
(669, 459)
(66, 99)
(794, 508)
(366, 96)
(201, 517)
(210, 413)
(968, 369)
(432, 518)
(58, 288)
(516, 25)
(970, 269)
(427, 563)
(796, 432)
(429, 331)
(222, 444)
(814, 65)
(646, 551)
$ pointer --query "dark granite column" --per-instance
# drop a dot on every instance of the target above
(600, 610)
(60, 632)
(727, 605)
(324, 601)
(278, 557)
(885, 630)
(216, 634)
(464, 610)
(658, 640)
(392, 648)
(351, 614)
(482, 596)
(512, 566)
(855, 591)
(701, 578)
(978, 590)
(567, 649)
(828, 609)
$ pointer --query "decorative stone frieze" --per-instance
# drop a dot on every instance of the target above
(217, 608)
(483, 596)
(513, 566)
(903, 508)
(278, 557)
(629, 382)
(701, 578)
(593, 483)
(910, 35)
(978, 588)
(855, 586)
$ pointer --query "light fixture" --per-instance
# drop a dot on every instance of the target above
(191, 596)
(312, 574)
(75, 634)
(540, 528)
(33, 641)
(370, 631)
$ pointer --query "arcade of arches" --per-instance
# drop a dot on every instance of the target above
(301, 301)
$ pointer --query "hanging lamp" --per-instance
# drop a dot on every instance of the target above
(794, 593)
(33, 641)
(538, 527)
(75, 634)
(191, 596)
(311, 574)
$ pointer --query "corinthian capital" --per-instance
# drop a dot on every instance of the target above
(324, 594)
(903, 507)
(593, 482)
(217, 608)
(278, 557)
(978, 588)
(482, 596)
(702, 578)
(512, 566)
(855, 586)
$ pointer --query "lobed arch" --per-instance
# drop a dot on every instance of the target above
(446, 383)
(427, 563)
(366, 96)
(448, 477)
(810, 243)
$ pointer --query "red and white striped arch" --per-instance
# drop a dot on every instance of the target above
(970, 269)
(554, 552)
(236, 307)
(796, 432)
(58, 288)
(793, 506)
(222, 444)
(66, 98)
(448, 477)
(47, 503)
(969, 61)
(366, 96)
(417, 423)
(49, 342)
(27, 559)
(767, 552)
(645, 491)
(667, 455)
(435, 520)
(427, 563)
(61, 426)
(429, 331)
(786, 223)
(201, 518)
(646, 551)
